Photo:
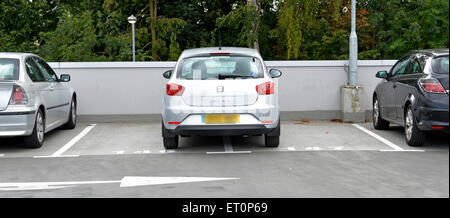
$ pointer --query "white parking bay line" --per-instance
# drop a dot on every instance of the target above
(228, 148)
(72, 155)
(74, 140)
(227, 144)
(229, 152)
(119, 152)
(379, 138)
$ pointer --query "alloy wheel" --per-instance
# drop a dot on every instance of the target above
(409, 122)
(74, 111)
(376, 112)
(40, 127)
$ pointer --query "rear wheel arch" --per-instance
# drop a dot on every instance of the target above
(405, 107)
(410, 100)
(42, 108)
(74, 97)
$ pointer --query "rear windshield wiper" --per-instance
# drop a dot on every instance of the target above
(234, 76)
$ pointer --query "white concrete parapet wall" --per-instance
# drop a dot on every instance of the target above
(307, 89)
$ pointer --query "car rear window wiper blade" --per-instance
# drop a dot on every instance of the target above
(234, 76)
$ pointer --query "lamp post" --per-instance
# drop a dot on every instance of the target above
(132, 19)
(353, 106)
(353, 79)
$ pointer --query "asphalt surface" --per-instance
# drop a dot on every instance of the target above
(314, 159)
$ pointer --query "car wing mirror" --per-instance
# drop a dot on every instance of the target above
(64, 78)
(382, 74)
(274, 73)
(167, 74)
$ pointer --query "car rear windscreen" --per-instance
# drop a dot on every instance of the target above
(440, 65)
(210, 67)
(9, 69)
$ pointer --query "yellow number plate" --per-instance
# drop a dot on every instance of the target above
(222, 118)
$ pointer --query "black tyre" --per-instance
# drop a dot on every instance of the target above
(413, 135)
(170, 140)
(378, 122)
(72, 123)
(272, 141)
(171, 143)
(36, 139)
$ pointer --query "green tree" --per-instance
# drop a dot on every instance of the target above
(73, 40)
(21, 22)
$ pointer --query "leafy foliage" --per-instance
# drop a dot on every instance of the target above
(97, 30)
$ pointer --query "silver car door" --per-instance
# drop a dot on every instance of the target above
(60, 104)
(45, 91)
(61, 91)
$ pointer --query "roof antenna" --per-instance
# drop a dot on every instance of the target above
(220, 42)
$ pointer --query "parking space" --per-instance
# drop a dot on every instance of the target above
(145, 138)
(54, 141)
(128, 160)
(436, 141)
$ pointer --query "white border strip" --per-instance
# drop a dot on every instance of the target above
(385, 141)
(73, 141)
(171, 64)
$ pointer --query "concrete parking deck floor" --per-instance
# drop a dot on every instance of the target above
(314, 159)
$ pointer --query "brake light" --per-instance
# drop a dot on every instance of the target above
(18, 96)
(219, 54)
(174, 89)
(432, 85)
(265, 88)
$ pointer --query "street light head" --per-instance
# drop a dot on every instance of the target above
(344, 10)
(132, 19)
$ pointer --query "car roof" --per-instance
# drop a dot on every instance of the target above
(208, 50)
(431, 52)
(17, 55)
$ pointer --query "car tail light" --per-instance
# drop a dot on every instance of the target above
(220, 54)
(18, 96)
(174, 89)
(265, 88)
(432, 85)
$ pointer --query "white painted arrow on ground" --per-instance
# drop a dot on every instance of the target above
(127, 181)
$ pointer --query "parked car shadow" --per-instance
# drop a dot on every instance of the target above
(434, 140)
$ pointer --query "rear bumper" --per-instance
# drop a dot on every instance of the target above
(432, 119)
(222, 130)
(265, 111)
(17, 123)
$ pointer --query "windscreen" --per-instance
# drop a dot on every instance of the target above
(440, 65)
(217, 67)
(9, 69)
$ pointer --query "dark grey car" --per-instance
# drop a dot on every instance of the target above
(414, 94)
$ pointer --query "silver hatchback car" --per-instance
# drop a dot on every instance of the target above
(33, 100)
(221, 92)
